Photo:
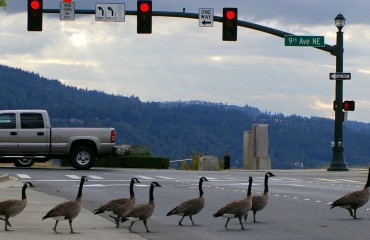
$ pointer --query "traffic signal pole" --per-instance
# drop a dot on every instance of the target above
(338, 162)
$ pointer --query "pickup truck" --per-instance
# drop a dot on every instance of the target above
(27, 137)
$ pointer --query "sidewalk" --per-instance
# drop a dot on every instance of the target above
(28, 224)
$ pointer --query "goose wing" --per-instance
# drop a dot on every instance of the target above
(232, 208)
(353, 199)
(68, 210)
(189, 207)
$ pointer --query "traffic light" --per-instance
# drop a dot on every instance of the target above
(34, 15)
(144, 16)
(230, 24)
(349, 105)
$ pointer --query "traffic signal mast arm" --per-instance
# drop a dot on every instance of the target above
(328, 48)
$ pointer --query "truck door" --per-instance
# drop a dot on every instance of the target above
(8, 134)
(33, 136)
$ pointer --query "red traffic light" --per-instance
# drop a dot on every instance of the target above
(349, 105)
(144, 16)
(230, 24)
(230, 14)
(144, 7)
(34, 15)
(35, 5)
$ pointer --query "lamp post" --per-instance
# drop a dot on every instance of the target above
(337, 162)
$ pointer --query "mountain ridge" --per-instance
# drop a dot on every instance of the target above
(178, 128)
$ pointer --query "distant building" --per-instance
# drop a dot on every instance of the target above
(255, 148)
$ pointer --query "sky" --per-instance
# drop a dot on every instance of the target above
(181, 61)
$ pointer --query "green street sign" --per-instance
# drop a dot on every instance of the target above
(304, 41)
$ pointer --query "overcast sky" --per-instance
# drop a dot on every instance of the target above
(181, 61)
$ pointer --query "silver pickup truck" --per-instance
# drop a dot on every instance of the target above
(27, 137)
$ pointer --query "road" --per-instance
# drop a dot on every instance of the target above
(298, 205)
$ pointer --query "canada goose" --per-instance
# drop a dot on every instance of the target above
(11, 208)
(141, 211)
(67, 210)
(120, 205)
(237, 209)
(354, 200)
(260, 201)
(191, 206)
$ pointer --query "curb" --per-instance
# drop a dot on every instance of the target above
(4, 177)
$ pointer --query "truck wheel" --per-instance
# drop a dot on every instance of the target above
(23, 162)
(82, 158)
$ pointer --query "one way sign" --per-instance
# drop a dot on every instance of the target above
(340, 76)
(205, 17)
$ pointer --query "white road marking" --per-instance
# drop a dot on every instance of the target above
(95, 177)
(145, 177)
(23, 176)
(166, 178)
(73, 176)
(346, 180)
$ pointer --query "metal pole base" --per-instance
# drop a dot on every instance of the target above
(337, 162)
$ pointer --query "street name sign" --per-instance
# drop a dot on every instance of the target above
(206, 17)
(67, 11)
(110, 12)
(340, 76)
(304, 41)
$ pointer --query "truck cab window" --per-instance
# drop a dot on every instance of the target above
(32, 120)
(7, 121)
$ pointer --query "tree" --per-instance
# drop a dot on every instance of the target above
(3, 3)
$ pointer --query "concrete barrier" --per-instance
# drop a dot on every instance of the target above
(208, 163)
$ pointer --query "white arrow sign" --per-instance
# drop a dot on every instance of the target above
(110, 12)
(205, 17)
(340, 76)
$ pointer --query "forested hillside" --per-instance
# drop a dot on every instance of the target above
(175, 129)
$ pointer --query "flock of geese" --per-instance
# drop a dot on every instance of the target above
(124, 209)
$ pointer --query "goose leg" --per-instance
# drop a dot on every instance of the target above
(116, 220)
(7, 223)
(350, 212)
(180, 223)
(147, 230)
(254, 216)
(241, 224)
(132, 223)
(70, 225)
(354, 215)
(55, 226)
(245, 217)
(191, 218)
(227, 221)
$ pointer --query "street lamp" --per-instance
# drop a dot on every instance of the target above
(340, 21)
(337, 162)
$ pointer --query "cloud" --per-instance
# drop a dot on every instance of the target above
(180, 60)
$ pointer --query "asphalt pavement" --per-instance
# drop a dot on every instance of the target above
(28, 224)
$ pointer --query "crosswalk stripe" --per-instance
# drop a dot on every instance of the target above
(346, 180)
(166, 178)
(23, 176)
(73, 176)
(144, 177)
(95, 177)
